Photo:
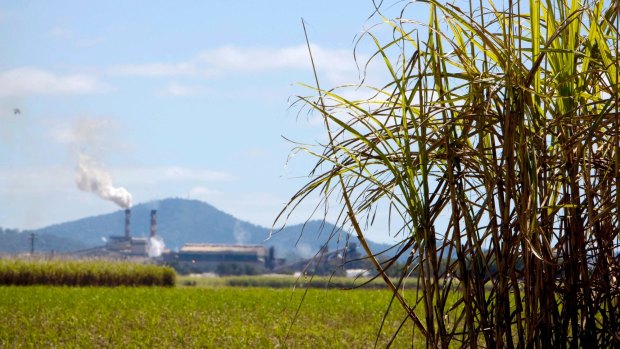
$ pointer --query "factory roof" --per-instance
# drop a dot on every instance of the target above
(139, 240)
(117, 237)
(219, 248)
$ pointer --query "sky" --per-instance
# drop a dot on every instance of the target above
(184, 99)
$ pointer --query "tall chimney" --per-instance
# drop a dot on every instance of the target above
(127, 221)
(153, 223)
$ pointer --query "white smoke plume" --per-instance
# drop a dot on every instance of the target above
(241, 235)
(305, 250)
(92, 178)
(155, 246)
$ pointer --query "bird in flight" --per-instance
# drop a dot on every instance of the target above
(16, 111)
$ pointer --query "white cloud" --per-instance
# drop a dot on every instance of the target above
(57, 178)
(3, 15)
(85, 131)
(259, 207)
(337, 65)
(235, 59)
(60, 33)
(48, 194)
(63, 33)
(94, 136)
(34, 81)
(254, 153)
(255, 207)
(39, 196)
(168, 174)
(178, 173)
(156, 69)
(34, 179)
(202, 193)
(230, 58)
(176, 89)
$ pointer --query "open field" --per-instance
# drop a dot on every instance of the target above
(39, 316)
(284, 281)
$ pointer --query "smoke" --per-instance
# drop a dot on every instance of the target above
(305, 250)
(156, 246)
(90, 177)
(241, 235)
(89, 139)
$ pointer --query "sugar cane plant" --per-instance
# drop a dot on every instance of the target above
(495, 147)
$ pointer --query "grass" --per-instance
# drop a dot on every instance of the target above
(83, 273)
(196, 317)
(284, 281)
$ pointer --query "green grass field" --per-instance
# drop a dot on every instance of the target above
(284, 281)
(39, 316)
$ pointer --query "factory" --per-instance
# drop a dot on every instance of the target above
(225, 259)
(134, 246)
(125, 246)
(218, 258)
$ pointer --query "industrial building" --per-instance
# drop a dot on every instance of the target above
(132, 246)
(200, 257)
(224, 259)
(124, 246)
(336, 262)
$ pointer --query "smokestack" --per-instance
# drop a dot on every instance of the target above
(127, 221)
(153, 223)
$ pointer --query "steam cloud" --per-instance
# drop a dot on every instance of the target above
(155, 246)
(92, 178)
(240, 234)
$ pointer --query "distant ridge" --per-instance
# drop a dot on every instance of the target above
(14, 241)
(182, 220)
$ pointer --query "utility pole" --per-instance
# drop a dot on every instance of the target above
(32, 243)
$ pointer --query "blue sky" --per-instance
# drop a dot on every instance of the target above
(172, 99)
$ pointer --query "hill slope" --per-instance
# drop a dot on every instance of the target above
(13, 241)
(180, 221)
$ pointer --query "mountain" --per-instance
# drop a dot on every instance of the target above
(14, 241)
(180, 221)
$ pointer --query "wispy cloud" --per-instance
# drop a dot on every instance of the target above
(176, 89)
(85, 132)
(156, 69)
(63, 33)
(3, 15)
(335, 64)
(58, 32)
(202, 193)
(55, 178)
(256, 207)
(41, 192)
(254, 153)
(27, 180)
(34, 81)
(168, 174)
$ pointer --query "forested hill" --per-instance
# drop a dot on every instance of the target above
(181, 221)
(15, 241)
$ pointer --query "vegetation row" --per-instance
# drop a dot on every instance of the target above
(324, 282)
(83, 273)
